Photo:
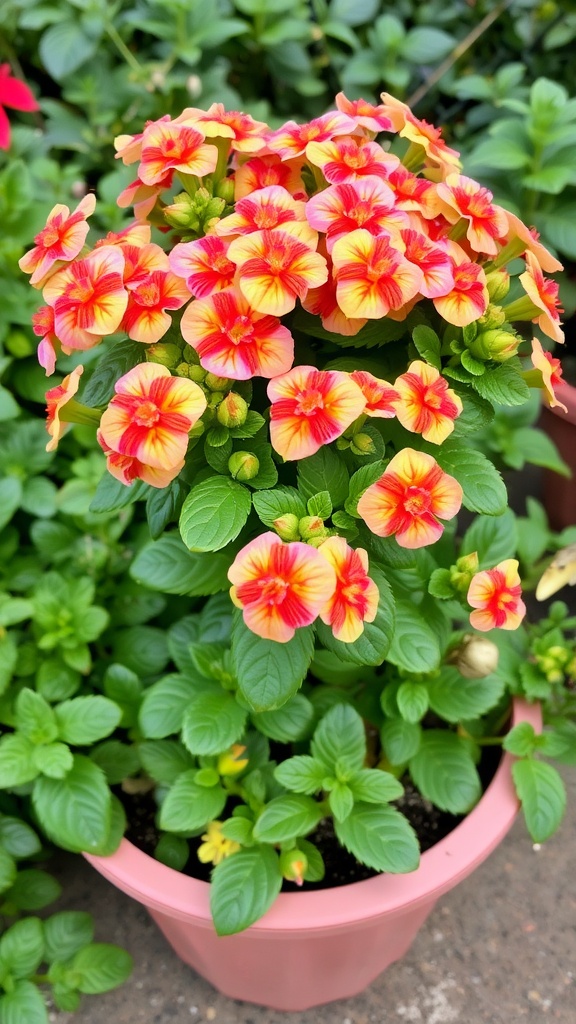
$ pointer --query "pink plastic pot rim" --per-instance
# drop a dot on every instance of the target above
(162, 889)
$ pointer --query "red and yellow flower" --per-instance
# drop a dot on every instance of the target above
(463, 198)
(245, 134)
(151, 414)
(468, 298)
(355, 598)
(421, 134)
(61, 239)
(341, 209)
(56, 398)
(204, 264)
(433, 260)
(127, 469)
(43, 327)
(88, 297)
(527, 241)
(280, 587)
(379, 395)
(350, 159)
(267, 208)
(322, 302)
(551, 371)
(427, 405)
(291, 139)
(543, 292)
(409, 500)
(311, 408)
(372, 276)
(496, 594)
(367, 115)
(233, 340)
(262, 171)
(168, 146)
(143, 197)
(146, 319)
(276, 269)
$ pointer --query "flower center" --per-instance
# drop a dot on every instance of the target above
(146, 414)
(416, 501)
(239, 330)
(49, 237)
(273, 589)
(148, 294)
(81, 291)
(308, 402)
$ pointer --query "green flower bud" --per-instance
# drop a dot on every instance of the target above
(243, 466)
(217, 383)
(311, 527)
(293, 865)
(462, 572)
(232, 410)
(196, 373)
(494, 317)
(498, 345)
(362, 444)
(225, 190)
(498, 282)
(164, 353)
(286, 526)
(182, 212)
(182, 370)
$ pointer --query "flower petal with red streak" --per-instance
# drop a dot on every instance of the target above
(61, 239)
(356, 597)
(311, 408)
(204, 264)
(427, 405)
(174, 147)
(379, 395)
(496, 594)
(56, 398)
(372, 276)
(551, 370)
(544, 293)
(276, 269)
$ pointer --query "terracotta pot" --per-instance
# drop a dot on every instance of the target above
(559, 492)
(314, 947)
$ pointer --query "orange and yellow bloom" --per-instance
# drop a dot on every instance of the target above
(88, 297)
(61, 239)
(372, 276)
(168, 146)
(380, 396)
(543, 292)
(468, 299)
(496, 596)
(276, 269)
(280, 587)
(204, 264)
(56, 398)
(367, 204)
(426, 404)
(311, 408)
(355, 599)
(551, 370)
(151, 414)
(409, 500)
(462, 197)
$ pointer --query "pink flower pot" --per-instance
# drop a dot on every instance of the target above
(559, 492)
(314, 947)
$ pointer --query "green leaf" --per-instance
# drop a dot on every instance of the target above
(112, 365)
(288, 723)
(414, 646)
(412, 700)
(8, 660)
(400, 740)
(493, 539)
(444, 772)
(457, 699)
(376, 787)
(214, 513)
(10, 498)
(500, 154)
(521, 740)
(112, 495)
(34, 717)
(65, 47)
(427, 45)
(543, 796)
(188, 806)
(379, 837)
(559, 228)
(101, 967)
(243, 888)
(270, 673)
(16, 761)
(53, 759)
(163, 506)
(270, 505)
(360, 481)
(502, 386)
(172, 851)
(84, 720)
(324, 471)
(117, 760)
(373, 645)
(166, 565)
(66, 933)
(340, 800)
(33, 890)
(23, 1005)
(8, 870)
(320, 505)
(428, 345)
(340, 736)
(74, 811)
(163, 706)
(483, 487)
(17, 838)
(534, 446)
(164, 760)
(302, 773)
(287, 817)
(212, 722)
(22, 947)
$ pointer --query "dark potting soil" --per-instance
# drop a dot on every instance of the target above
(342, 868)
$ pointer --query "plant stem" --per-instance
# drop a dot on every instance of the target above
(123, 49)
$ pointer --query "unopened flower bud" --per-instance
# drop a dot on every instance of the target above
(498, 344)
(362, 444)
(231, 761)
(182, 370)
(293, 865)
(225, 190)
(498, 283)
(232, 410)
(286, 526)
(181, 213)
(243, 466)
(164, 353)
(494, 317)
(196, 373)
(312, 526)
(462, 572)
(475, 657)
(217, 383)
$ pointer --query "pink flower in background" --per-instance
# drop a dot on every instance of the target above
(16, 95)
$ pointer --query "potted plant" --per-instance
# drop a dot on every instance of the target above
(284, 356)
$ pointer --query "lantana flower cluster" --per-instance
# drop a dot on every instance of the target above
(254, 258)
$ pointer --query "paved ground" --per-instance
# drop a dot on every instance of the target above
(501, 949)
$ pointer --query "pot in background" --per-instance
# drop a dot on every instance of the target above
(314, 947)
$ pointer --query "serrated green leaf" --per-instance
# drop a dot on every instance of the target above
(502, 386)
(188, 806)
(163, 706)
(67, 932)
(22, 947)
(400, 740)
(214, 513)
(212, 722)
(543, 796)
(324, 471)
(287, 817)
(302, 773)
(457, 699)
(167, 565)
(379, 837)
(376, 787)
(288, 723)
(243, 888)
(23, 1005)
(521, 740)
(483, 487)
(493, 538)
(412, 700)
(84, 720)
(414, 646)
(270, 673)
(270, 505)
(33, 890)
(101, 967)
(340, 736)
(75, 811)
(444, 772)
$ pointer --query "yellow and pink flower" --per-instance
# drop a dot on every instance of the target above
(468, 298)
(245, 134)
(341, 209)
(551, 371)
(88, 297)
(355, 598)
(262, 171)
(463, 198)
(433, 260)
(421, 133)
(372, 276)
(168, 146)
(543, 292)
(379, 395)
(49, 345)
(414, 194)
(146, 319)
(367, 115)
(322, 302)
(496, 596)
(291, 139)
(267, 208)
(61, 239)
(409, 500)
(56, 398)
(311, 408)
(518, 232)
(280, 587)
(204, 264)
(350, 159)
(150, 416)
(276, 269)
(427, 405)
(233, 340)
(143, 197)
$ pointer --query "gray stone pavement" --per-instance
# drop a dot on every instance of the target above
(501, 948)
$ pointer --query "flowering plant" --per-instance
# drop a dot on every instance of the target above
(289, 352)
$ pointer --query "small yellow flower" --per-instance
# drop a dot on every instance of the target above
(215, 846)
(231, 761)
